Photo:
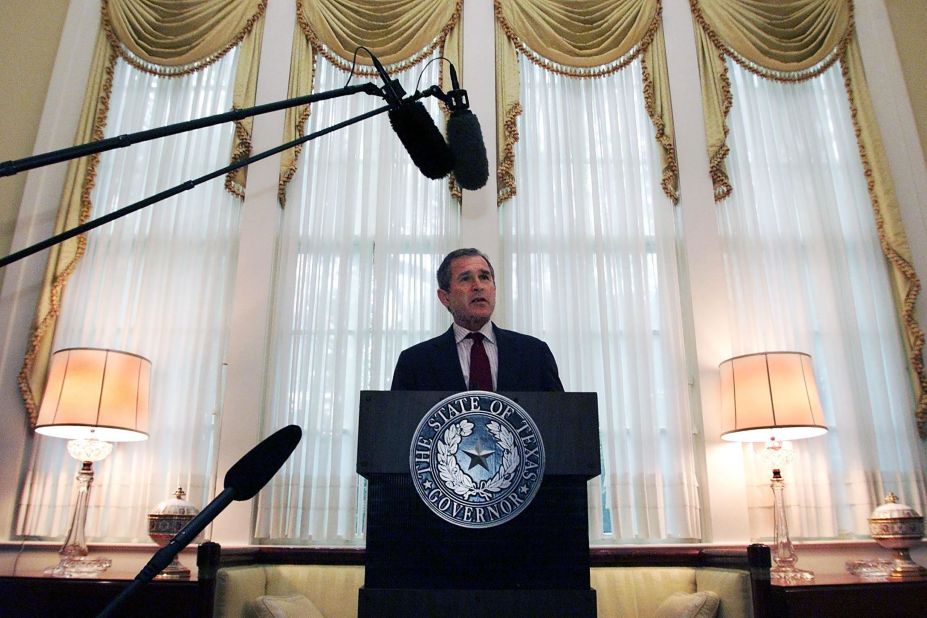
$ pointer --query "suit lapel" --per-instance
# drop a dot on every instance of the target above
(509, 355)
(447, 363)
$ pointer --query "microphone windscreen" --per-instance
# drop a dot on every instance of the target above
(422, 139)
(465, 139)
(255, 468)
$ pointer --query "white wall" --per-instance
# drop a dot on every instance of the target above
(35, 222)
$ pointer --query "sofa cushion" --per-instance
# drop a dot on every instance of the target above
(689, 605)
(287, 606)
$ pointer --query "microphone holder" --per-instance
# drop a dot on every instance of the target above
(9, 168)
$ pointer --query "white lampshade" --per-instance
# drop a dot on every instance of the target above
(770, 395)
(96, 393)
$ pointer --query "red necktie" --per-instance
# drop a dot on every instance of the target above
(480, 374)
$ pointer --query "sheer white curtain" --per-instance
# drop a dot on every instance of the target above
(805, 272)
(363, 234)
(590, 266)
(156, 283)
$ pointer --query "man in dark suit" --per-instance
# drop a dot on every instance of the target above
(474, 353)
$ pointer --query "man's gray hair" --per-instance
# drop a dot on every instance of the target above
(444, 270)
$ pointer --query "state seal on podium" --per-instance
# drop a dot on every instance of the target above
(477, 459)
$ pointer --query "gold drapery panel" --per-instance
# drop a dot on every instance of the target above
(892, 237)
(583, 39)
(161, 37)
(797, 40)
(402, 33)
(74, 210)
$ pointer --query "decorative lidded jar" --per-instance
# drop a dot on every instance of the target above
(164, 522)
(898, 527)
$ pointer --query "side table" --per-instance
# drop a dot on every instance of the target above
(33, 594)
(843, 595)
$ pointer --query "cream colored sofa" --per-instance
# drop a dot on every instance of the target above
(331, 588)
(638, 591)
(621, 591)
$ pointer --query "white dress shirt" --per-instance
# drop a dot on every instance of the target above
(489, 343)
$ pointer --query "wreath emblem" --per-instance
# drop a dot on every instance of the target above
(506, 459)
(462, 483)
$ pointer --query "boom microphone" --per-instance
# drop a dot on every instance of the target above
(422, 139)
(465, 139)
(242, 481)
(258, 465)
(416, 130)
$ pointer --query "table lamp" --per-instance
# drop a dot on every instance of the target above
(772, 397)
(93, 397)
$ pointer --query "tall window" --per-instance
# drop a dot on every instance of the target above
(363, 234)
(590, 264)
(157, 283)
(805, 272)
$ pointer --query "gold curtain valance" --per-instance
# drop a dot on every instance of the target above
(791, 36)
(578, 33)
(583, 39)
(178, 33)
(395, 30)
(401, 33)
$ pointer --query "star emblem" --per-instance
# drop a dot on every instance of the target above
(478, 456)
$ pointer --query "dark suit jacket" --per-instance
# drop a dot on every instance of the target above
(525, 364)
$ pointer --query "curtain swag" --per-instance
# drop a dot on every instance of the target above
(586, 39)
(793, 41)
(402, 34)
(160, 37)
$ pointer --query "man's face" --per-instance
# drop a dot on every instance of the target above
(472, 296)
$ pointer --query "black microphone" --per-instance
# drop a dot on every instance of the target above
(242, 481)
(465, 139)
(250, 473)
(422, 139)
(416, 130)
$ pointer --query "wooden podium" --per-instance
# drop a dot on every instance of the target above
(536, 564)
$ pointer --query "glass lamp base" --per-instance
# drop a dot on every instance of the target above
(78, 567)
(790, 574)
